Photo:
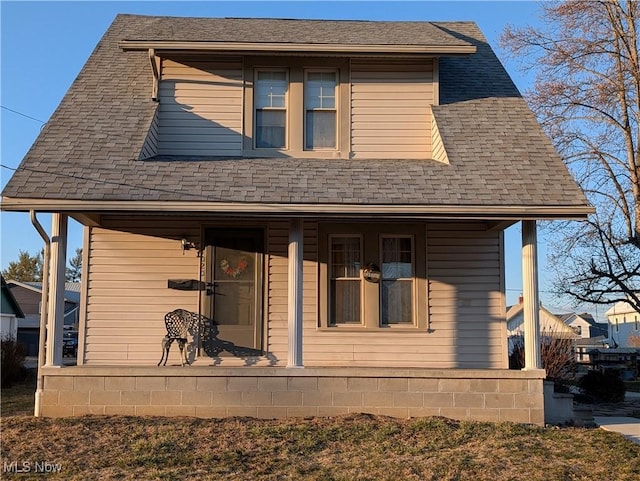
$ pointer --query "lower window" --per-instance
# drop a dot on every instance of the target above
(372, 279)
(397, 280)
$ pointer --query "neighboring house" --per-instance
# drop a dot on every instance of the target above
(29, 296)
(334, 192)
(624, 325)
(550, 324)
(585, 325)
(10, 313)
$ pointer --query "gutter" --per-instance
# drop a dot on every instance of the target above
(298, 48)
(43, 312)
(426, 211)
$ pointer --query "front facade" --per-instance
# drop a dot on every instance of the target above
(331, 204)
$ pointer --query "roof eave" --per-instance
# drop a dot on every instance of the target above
(484, 212)
(300, 48)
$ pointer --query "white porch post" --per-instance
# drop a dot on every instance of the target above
(531, 304)
(295, 293)
(58, 264)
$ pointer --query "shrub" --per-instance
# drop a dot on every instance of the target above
(12, 362)
(603, 386)
(557, 353)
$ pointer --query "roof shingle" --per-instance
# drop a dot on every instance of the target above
(498, 153)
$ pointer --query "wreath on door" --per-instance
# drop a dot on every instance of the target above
(232, 271)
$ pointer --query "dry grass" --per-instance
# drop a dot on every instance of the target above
(355, 447)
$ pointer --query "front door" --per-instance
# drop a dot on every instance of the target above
(233, 299)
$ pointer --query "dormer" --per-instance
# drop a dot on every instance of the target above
(360, 90)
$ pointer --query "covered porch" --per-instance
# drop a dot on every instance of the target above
(288, 378)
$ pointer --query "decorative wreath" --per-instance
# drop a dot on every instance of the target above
(234, 271)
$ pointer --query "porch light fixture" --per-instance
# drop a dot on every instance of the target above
(186, 245)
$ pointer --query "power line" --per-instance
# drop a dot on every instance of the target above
(23, 115)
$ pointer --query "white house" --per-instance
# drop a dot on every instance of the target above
(624, 325)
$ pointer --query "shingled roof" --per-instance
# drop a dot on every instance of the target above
(499, 157)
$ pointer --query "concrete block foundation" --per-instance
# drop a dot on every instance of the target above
(267, 392)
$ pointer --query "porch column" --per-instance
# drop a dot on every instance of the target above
(295, 293)
(531, 303)
(58, 262)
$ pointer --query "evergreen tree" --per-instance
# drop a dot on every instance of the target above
(27, 268)
(74, 271)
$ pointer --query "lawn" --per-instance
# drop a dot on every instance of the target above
(353, 447)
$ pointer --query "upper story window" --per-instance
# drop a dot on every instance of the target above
(320, 110)
(296, 107)
(271, 88)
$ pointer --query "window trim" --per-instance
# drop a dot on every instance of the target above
(296, 67)
(306, 109)
(370, 292)
(271, 109)
(360, 279)
(413, 278)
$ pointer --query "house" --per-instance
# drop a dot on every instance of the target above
(10, 313)
(591, 334)
(550, 324)
(585, 325)
(330, 197)
(624, 325)
(29, 296)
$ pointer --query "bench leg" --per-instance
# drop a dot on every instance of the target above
(183, 352)
(166, 345)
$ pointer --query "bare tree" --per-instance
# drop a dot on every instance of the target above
(587, 96)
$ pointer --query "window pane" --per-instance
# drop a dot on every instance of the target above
(321, 129)
(270, 129)
(271, 89)
(320, 90)
(396, 258)
(345, 305)
(397, 302)
(345, 257)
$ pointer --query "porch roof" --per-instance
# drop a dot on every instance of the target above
(87, 155)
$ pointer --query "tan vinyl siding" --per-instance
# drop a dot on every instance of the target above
(391, 108)
(200, 107)
(130, 261)
(277, 304)
(466, 312)
(277, 285)
(150, 147)
(466, 303)
(438, 151)
(127, 294)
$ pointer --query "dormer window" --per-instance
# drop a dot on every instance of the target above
(320, 110)
(271, 109)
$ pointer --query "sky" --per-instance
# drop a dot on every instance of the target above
(43, 46)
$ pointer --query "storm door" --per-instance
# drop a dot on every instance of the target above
(233, 298)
